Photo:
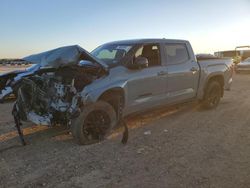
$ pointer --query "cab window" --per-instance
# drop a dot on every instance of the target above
(176, 53)
(151, 52)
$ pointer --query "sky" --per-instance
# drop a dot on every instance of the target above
(28, 26)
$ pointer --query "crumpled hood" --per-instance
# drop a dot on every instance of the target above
(56, 58)
(63, 56)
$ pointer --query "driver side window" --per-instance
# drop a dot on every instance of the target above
(151, 52)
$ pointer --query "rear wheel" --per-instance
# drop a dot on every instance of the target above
(212, 95)
(94, 123)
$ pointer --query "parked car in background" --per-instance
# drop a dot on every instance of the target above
(3, 62)
(19, 62)
(243, 66)
(13, 62)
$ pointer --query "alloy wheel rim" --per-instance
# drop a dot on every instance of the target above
(96, 125)
(214, 96)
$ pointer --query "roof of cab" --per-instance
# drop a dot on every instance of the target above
(143, 41)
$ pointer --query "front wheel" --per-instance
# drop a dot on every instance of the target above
(212, 95)
(94, 122)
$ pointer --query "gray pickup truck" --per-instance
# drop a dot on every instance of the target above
(92, 92)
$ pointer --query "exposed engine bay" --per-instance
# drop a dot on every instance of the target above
(52, 96)
(52, 92)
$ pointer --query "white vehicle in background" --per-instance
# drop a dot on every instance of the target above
(243, 66)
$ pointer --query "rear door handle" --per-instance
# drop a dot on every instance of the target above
(162, 73)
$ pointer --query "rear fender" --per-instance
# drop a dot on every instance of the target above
(218, 76)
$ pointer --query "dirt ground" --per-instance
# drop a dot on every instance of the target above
(171, 147)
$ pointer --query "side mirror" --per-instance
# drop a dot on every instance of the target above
(139, 63)
(85, 63)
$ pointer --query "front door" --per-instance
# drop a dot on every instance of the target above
(147, 86)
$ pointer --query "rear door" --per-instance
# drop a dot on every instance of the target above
(183, 72)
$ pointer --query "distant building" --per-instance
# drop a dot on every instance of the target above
(244, 54)
(229, 53)
(237, 55)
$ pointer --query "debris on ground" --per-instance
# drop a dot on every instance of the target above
(147, 133)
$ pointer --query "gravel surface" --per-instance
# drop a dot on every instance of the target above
(170, 147)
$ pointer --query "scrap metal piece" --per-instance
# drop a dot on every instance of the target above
(39, 120)
(121, 121)
(125, 132)
(18, 124)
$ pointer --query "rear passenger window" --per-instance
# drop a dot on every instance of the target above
(176, 53)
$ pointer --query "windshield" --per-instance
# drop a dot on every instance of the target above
(111, 53)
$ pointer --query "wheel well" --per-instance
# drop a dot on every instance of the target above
(112, 96)
(219, 79)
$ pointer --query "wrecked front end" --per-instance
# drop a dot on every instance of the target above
(51, 94)
(54, 96)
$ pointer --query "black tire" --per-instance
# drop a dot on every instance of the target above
(94, 122)
(212, 95)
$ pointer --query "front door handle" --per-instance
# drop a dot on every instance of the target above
(194, 69)
(162, 73)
